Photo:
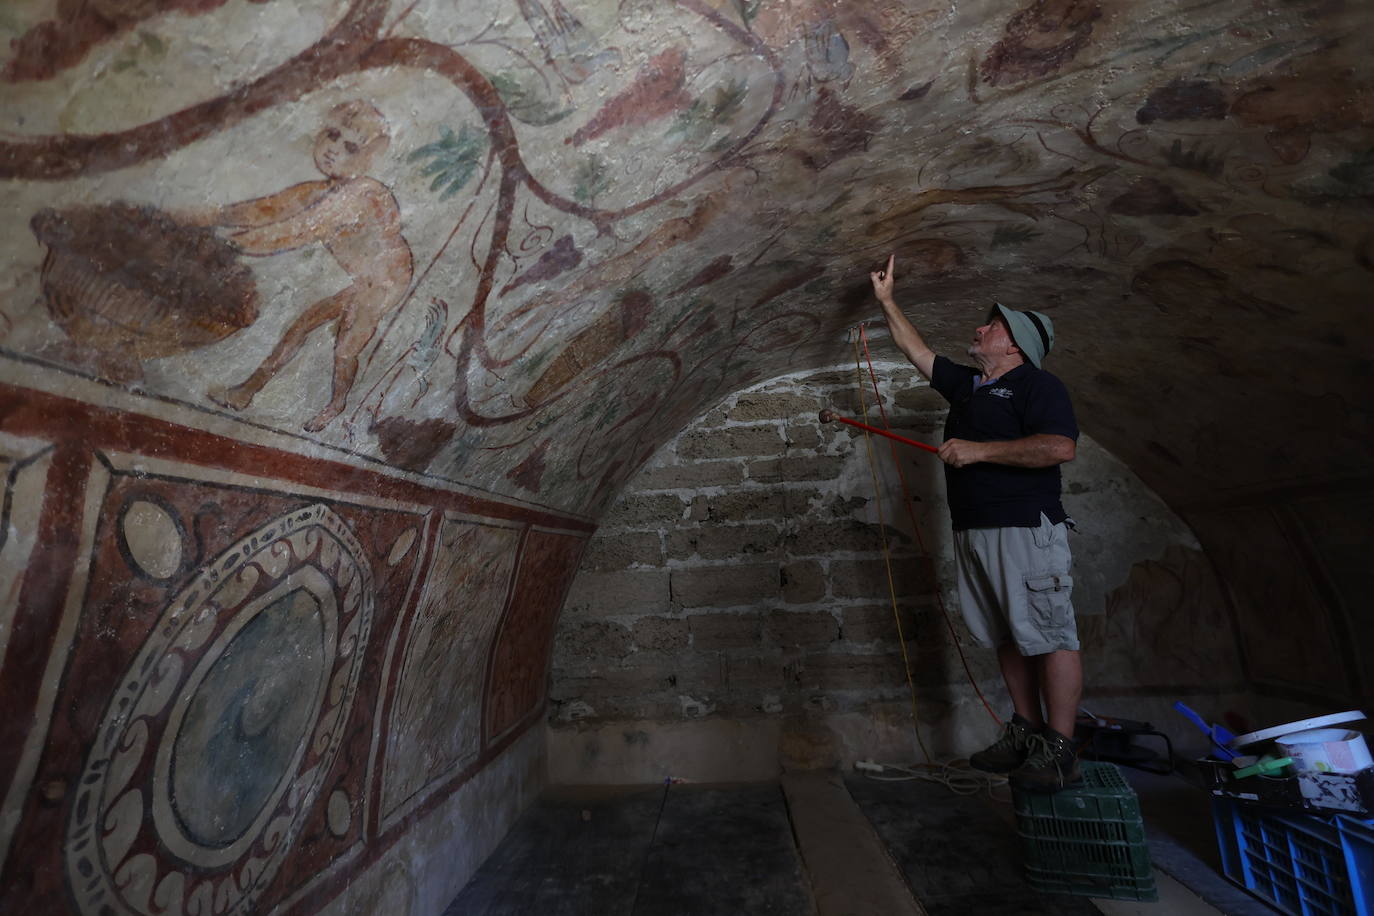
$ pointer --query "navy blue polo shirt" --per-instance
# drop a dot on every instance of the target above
(1024, 402)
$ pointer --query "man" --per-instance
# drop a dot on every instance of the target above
(1010, 426)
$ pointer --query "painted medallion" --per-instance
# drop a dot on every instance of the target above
(222, 732)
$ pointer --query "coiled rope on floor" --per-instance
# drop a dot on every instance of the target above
(956, 775)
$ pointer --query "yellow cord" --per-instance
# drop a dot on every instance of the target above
(887, 557)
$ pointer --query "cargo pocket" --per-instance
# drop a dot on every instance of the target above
(1050, 600)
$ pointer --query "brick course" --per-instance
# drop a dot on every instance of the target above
(737, 442)
(724, 586)
(596, 638)
(719, 542)
(661, 633)
(802, 628)
(640, 511)
(605, 594)
(636, 548)
(876, 623)
(848, 536)
(801, 436)
(725, 631)
(741, 574)
(815, 467)
(839, 671)
(764, 406)
(803, 582)
(691, 475)
(742, 505)
(869, 578)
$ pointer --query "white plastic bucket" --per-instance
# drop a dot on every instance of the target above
(1326, 750)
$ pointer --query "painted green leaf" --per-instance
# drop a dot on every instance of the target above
(727, 100)
(452, 159)
(715, 108)
(446, 141)
(592, 178)
(688, 119)
(528, 100)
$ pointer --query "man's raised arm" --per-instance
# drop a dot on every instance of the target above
(904, 333)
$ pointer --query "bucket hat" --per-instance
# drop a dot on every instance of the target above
(1032, 332)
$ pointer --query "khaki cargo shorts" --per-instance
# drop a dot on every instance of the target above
(1015, 587)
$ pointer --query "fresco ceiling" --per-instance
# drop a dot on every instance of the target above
(520, 245)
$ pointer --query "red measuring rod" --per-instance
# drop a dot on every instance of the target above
(828, 415)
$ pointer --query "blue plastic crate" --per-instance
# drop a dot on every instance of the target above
(1299, 863)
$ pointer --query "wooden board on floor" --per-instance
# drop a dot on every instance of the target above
(724, 850)
(850, 869)
(572, 853)
(650, 851)
(956, 853)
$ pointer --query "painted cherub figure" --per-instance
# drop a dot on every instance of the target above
(356, 218)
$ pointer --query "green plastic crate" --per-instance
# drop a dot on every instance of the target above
(1088, 841)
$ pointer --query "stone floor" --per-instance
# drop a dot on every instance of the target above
(818, 844)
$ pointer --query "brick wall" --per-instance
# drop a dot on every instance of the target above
(742, 572)
(741, 577)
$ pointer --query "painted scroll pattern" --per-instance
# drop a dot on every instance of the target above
(436, 727)
(498, 233)
(520, 660)
(115, 320)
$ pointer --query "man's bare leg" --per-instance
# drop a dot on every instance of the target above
(1061, 679)
(242, 394)
(1052, 764)
(351, 338)
(345, 369)
(1022, 677)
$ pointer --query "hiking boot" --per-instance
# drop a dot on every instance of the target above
(1007, 752)
(1051, 764)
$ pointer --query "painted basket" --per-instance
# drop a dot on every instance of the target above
(138, 283)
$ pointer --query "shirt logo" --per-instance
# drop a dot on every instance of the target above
(1000, 392)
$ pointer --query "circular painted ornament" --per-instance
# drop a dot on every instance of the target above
(218, 738)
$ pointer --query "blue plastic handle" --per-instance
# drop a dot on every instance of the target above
(1219, 736)
(1192, 716)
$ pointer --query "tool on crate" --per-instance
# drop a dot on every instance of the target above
(1112, 739)
(1220, 737)
(1268, 765)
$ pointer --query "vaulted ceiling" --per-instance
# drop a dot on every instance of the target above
(519, 245)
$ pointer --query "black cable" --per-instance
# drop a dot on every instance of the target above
(653, 837)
